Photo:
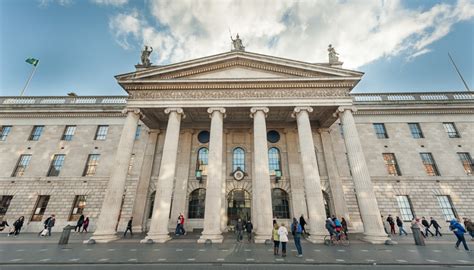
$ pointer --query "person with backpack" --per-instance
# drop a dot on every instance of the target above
(296, 231)
(249, 228)
(79, 223)
(17, 226)
(459, 232)
(283, 237)
(85, 225)
(400, 227)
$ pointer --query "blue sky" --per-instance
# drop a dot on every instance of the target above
(400, 45)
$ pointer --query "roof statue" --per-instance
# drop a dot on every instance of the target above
(333, 55)
(237, 43)
(145, 58)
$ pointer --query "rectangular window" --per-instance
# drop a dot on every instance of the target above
(391, 164)
(78, 207)
(380, 131)
(101, 133)
(405, 207)
(415, 130)
(450, 128)
(56, 165)
(68, 133)
(430, 164)
(447, 207)
(36, 133)
(4, 204)
(4, 131)
(91, 165)
(467, 162)
(138, 132)
(40, 208)
(21, 166)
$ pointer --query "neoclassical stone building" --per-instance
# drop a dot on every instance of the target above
(237, 135)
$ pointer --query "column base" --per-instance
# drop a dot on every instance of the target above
(262, 238)
(102, 238)
(215, 238)
(156, 238)
(375, 239)
(316, 238)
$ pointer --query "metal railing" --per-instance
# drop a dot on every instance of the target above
(401, 97)
(85, 100)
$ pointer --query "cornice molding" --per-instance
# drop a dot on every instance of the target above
(412, 111)
(59, 115)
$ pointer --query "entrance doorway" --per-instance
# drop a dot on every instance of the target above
(238, 206)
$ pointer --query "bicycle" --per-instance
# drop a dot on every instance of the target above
(331, 240)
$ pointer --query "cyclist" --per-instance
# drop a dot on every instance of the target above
(338, 227)
(330, 226)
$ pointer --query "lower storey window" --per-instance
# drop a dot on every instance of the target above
(40, 208)
(4, 204)
(78, 207)
(405, 207)
(446, 207)
(197, 200)
(280, 203)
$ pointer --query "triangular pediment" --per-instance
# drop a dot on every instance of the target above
(238, 66)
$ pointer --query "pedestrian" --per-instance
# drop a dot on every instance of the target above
(283, 237)
(129, 227)
(469, 227)
(435, 225)
(44, 231)
(337, 227)
(50, 224)
(383, 223)
(3, 224)
(296, 231)
(249, 228)
(459, 231)
(85, 225)
(303, 224)
(275, 239)
(400, 227)
(391, 223)
(427, 226)
(344, 227)
(238, 229)
(79, 223)
(180, 225)
(17, 226)
(418, 223)
(330, 227)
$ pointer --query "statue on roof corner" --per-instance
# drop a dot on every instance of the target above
(333, 55)
(145, 58)
(237, 43)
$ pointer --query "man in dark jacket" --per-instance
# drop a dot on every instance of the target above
(50, 224)
(129, 227)
(79, 224)
(303, 223)
(400, 226)
(435, 225)
(249, 228)
(239, 227)
(427, 226)
(459, 231)
(391, 223)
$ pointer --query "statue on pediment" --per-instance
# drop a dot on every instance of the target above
(237, 43)
(333, 55)
(146, 56)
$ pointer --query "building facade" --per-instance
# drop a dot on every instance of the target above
(237, 135)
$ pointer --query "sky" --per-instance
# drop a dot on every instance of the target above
(401, 46)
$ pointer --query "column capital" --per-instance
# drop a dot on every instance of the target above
(298, 110)
(135, 111)
(211, 110)
(341, 110)
(177, 110)
(253, 110)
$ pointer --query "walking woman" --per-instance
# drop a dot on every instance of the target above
(276, 239)
(17, 226)
(85, 224)
(283, 237)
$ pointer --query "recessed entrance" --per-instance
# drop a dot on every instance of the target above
(238, 206)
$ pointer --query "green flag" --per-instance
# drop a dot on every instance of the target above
(32, 61)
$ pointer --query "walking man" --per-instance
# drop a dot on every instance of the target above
(303, 223)
(427, 226)
(129, 227)
(296, 230)
(400, 226)
(435, 225)
(180, 226)
(391, 223)
(459, 231)
(50, 224)
(238, 229)
(79, 224)
(249, 228)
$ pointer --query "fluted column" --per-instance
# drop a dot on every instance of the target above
(368, 206)
(215, 179)
(159, 222)
(111, 205)
(261, 188)
(312, 181)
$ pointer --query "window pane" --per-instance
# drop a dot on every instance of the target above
(4, 131)
(446, 207)
(429, 163)
(40, 208)
(36, 133)
(238, 160)
(467, 162)
(391, 164)
(405, 208)
(101, 133)
(274, 160)
(91, 165)
(280, 203)
(4, 204)
(415, 130)
(380, 131)
(450, 128)
(56, 165)
(68, 133)
(78, 207)
(21, 166)
(197, 202)
(202, 161)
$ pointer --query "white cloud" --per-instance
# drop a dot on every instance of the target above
(45, 3)
(361, 31)
(110, 2)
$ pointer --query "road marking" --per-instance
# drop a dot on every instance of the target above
(402, 261)
(364, 250)
(317, 250)
(133, 249)
(436, 250)
(250, 259)
(156, 249)
(43, 249)
(279, 260)
(179, 249)
(191, 259)
(412, 250)
(432, 261)
(310, 260)
(341, 250)
(269, 249)
(388, 250)
(370, 260)
(224, 250)
(132, 260)
(340, 260)
(16, 260)
(103, 259)
(463, 261)
(220, 259)
(45, 260)
(88, 249)
(111, 249)
(248, 250)
(162, 259)
(293, 250)
(74, 260)
(202, 250)
(20, 250)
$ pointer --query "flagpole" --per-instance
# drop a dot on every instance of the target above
(29, 79)
(459, 73)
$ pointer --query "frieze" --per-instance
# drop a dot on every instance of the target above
(232, 85)
(59, 115)
(239, 94)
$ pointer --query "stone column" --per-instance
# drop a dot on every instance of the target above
(141, 196)
(261, 188)
(159, 222)
(212, 214)
(368, 206)
(110, 210)
(335, 182)
(312, 181)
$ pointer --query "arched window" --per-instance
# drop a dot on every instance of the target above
(280, 203)
(197, 200)
(239, 203)
(151, 203)
(202, 160)
(238, 159)
(274, 160)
